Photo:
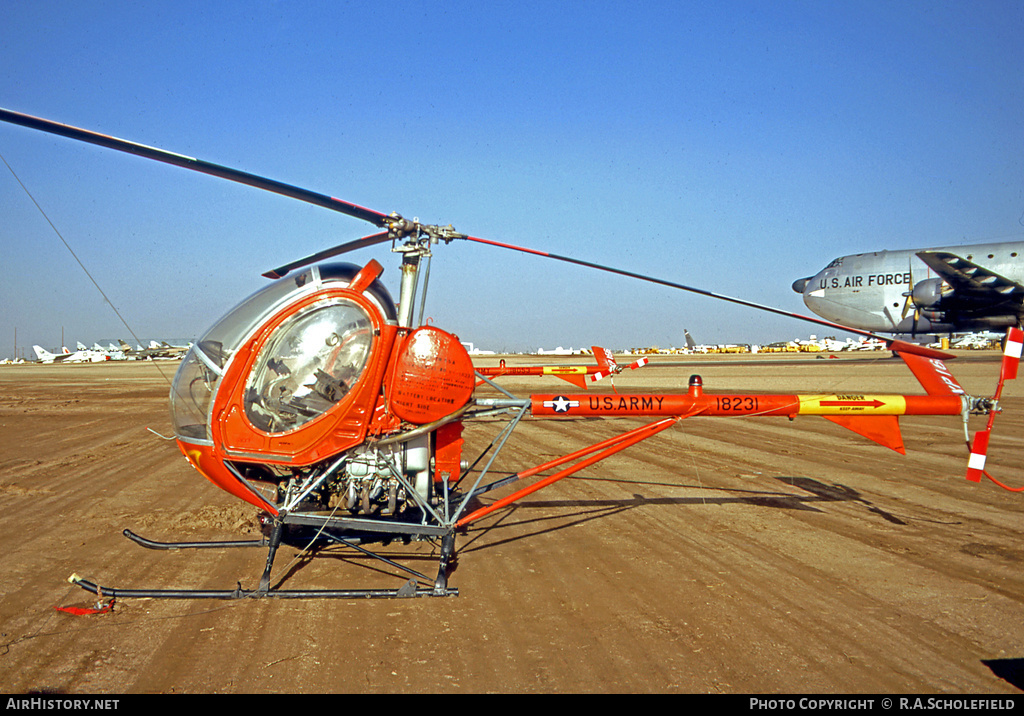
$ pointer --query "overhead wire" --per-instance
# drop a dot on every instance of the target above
(77, 259)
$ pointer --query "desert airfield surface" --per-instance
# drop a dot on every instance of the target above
(752, 555)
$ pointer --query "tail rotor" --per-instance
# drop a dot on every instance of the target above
(1008, 371)
(609, 367)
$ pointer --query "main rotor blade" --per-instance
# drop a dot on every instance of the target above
(371, 240)
(198, 165)
(895, 344)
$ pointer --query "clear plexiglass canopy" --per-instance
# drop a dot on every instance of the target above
(308, 364)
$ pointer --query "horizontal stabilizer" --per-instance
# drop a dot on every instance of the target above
(883, 429)
(577, 379)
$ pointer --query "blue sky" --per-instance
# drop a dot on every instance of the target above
(732, 146)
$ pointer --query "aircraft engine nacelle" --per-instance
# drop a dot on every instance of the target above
(929, 293)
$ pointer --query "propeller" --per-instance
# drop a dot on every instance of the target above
(907, 305)
(909, 295)
(910, 302)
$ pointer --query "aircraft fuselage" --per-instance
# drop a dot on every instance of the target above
(898, 292)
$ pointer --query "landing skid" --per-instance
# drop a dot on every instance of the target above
(411, 589)
(151, 544)
(414, 587)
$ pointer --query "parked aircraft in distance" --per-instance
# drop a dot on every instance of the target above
(111, 353)
(955, 289)
(161, 350)
(984, 339)
(474, 351)
(79, 356)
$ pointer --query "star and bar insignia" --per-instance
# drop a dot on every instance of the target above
(561, 404)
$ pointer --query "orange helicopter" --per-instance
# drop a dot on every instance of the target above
(320, 400)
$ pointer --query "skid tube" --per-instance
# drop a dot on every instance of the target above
(152, 544)
(412, 588)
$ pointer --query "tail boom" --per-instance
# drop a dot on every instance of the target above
(742, 405)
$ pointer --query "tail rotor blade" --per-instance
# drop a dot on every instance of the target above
(639, 363)
(1011, 354)
(979, 453)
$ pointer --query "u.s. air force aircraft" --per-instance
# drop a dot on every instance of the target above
(942, 290)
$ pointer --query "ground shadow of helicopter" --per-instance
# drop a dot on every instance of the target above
(1009, 670)
(586, 510)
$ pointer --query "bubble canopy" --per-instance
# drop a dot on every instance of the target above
(308, 364)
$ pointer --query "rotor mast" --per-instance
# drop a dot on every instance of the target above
(417, 239)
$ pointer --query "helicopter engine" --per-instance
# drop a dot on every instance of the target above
(370, 481)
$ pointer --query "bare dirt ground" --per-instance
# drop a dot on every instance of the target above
(724, 555)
